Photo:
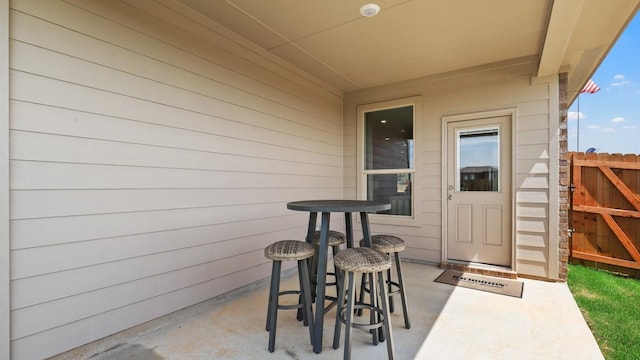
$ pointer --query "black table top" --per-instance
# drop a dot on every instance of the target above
(338, 205)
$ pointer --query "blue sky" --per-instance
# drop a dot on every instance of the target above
(610, 118)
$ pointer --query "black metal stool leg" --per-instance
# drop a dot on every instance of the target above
(363, 289)
(273, 309)
(270, 300)
(403, 295)
(390, 289)
(305, 288)
(312, 273)
(341, 296)
(334, 299)
(334, 251)
(301, 314)
(373, 315)
(378, 295)
(384, 296)
(349, 314)
(271, 292)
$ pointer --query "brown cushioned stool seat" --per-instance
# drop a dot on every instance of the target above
(336, 238)
(386, 243)
(289, 250)
(366, 261)
(390, 244)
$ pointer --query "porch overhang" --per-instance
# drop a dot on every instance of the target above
(579, 35)
(424, 38)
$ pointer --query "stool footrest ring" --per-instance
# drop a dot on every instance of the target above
(395, 291)
(298, 305)
(365, 326)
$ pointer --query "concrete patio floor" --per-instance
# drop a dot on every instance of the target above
(447, 323)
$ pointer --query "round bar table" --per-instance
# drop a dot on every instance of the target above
(326, 207)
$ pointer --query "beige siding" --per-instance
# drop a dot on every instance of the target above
(492, 87)
(152, 155)
(5, 293)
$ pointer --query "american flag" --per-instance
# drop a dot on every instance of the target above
(590, 87)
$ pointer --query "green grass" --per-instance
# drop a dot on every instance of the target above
(611, 306)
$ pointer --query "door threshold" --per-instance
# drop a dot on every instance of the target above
(479, 268)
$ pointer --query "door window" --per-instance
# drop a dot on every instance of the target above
(478, 159)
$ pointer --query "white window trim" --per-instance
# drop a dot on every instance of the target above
(416, 211)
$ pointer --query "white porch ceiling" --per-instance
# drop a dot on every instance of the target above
(415, 38)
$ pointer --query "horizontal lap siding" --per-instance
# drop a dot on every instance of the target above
(491, 88)
(533, 189)
(151, 158)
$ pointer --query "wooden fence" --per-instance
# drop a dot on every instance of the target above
(605, 210)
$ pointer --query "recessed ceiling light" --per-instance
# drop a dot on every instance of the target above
(369, 10)
(386, 138)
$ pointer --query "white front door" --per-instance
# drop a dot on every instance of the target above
(478, 184)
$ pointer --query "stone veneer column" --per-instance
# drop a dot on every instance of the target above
(563, 168)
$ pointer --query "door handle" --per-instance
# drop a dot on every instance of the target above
(450, 197)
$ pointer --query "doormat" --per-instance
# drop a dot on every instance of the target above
(480, 282)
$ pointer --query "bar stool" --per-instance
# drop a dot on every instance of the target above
(336, 239)
(389, 244)
(280, 251)
(366, 261)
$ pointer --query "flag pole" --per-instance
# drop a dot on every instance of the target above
(591, 88)
(578, 126)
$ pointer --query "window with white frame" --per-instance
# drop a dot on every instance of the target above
(387, 156)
